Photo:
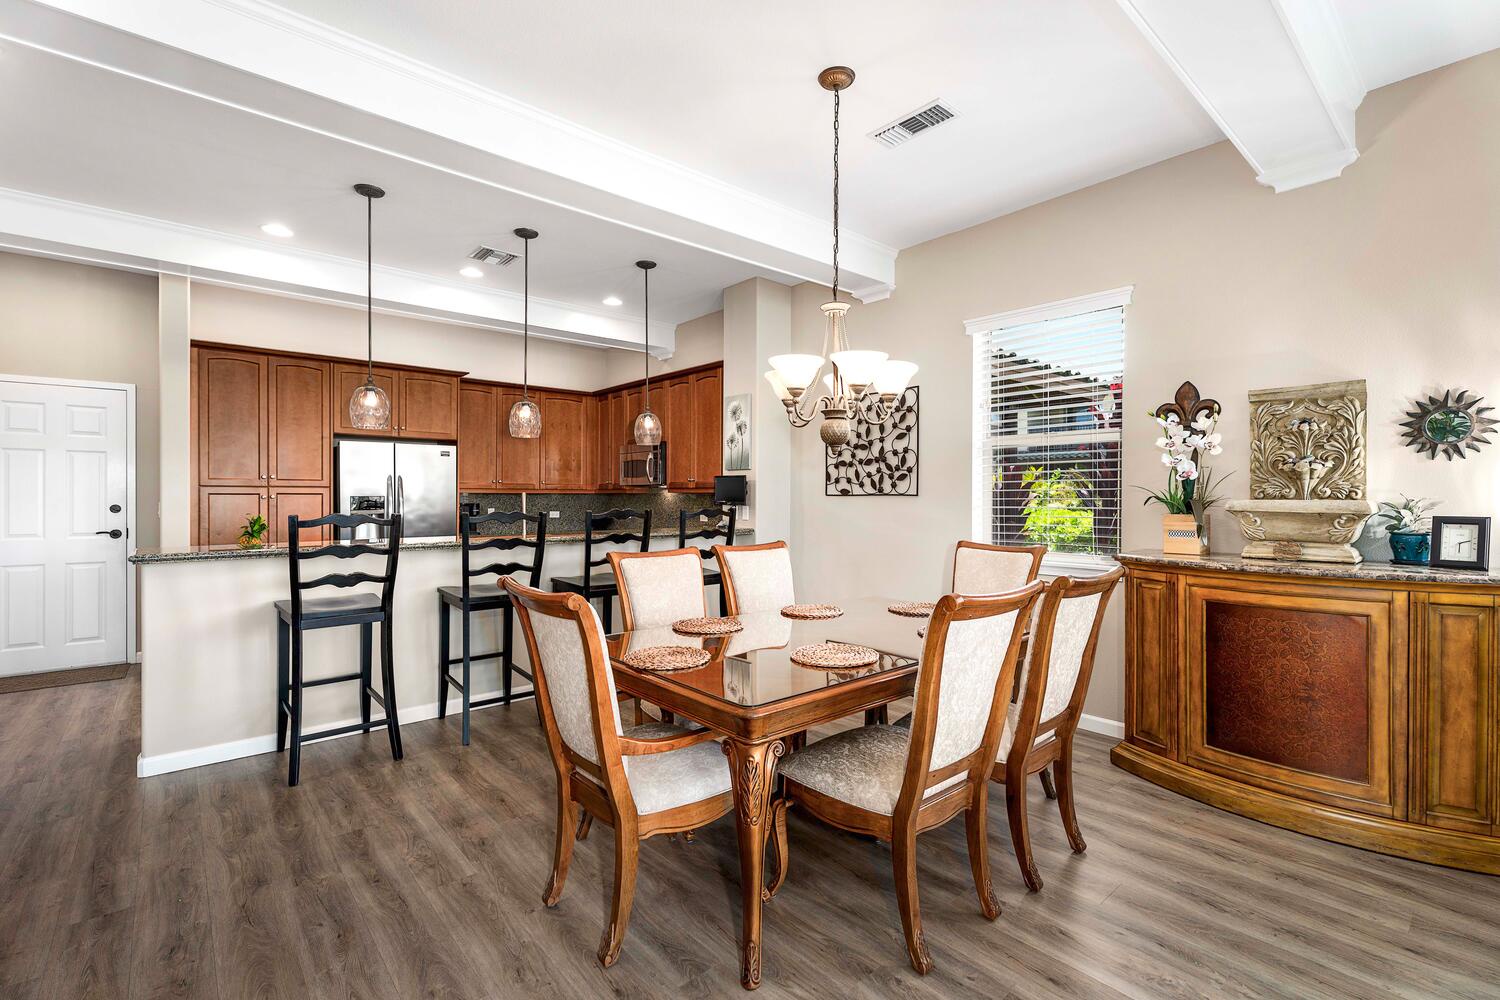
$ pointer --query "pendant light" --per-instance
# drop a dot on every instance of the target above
(648, 424)
(862, 384)
(369, 407)
(526, 417)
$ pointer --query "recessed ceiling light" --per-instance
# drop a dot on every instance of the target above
(471, 272)
(613, 300)
(277, 229)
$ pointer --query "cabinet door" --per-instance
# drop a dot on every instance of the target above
(1151, 662)
(1453, 654)
(301, 440)
(306, 504)
(630, 409)
(520, 459)
(564, 441)
(682, 441)
(223, 511)
(479, 418)
(708, 425)
(232, 426)
(429, 406)
(347, 378)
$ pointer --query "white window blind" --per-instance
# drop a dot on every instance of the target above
(1048, 390)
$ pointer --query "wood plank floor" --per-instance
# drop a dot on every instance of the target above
(424, 879)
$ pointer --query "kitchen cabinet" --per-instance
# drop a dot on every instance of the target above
(223, 511)
(231, 427)
(308, 504)
(520, 458)
(565, 452)
(480, 423)
(429, 406)
(679, 434)
(708, 426)
(300, 438)
(347, 378)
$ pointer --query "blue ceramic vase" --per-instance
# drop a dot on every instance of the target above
(1410, 548)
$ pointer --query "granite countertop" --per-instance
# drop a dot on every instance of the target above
(199, 553)
(1334, 571)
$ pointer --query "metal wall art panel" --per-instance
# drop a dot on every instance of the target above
(880, 460)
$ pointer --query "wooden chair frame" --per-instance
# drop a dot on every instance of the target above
(915, 811)
(627, 612)
(726, 579)
(1025, 757)
(1037, 552)
(602, 790)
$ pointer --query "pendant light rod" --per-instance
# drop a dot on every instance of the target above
(836, 79)
(646, 266)
(528, 235)
(369, 192)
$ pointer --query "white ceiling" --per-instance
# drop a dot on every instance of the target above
(691, 132)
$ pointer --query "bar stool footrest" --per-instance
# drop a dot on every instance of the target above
(357, 727)
(476, 657)
(501, 699)
(337, 679)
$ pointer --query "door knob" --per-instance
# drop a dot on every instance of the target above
(112, 532)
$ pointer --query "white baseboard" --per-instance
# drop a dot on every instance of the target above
(1102, 726)
(216, 753)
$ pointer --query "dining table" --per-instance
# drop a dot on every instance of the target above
(753, 694)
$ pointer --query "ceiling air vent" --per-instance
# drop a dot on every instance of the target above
(927, 117)
(498, 258)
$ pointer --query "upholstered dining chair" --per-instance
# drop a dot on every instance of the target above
(641, 781)
(659, 588)
(1040, 726)
(994, 569)
(893, 783)
(756, 578)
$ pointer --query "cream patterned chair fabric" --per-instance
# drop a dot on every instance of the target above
(1070, 639)
(982, 571)
(657, 781)
(762, 578)
(866, 766)
(663, 589)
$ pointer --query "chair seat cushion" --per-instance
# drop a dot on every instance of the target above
(661, 781)
(598, 583)
(332, 607)
(488, 593)
(863, 767)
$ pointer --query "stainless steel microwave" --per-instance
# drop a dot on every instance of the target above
(643, 465)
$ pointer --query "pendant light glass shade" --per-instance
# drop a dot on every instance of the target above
(525, 419)
(647, 424)
(647, 428)
(370, 407)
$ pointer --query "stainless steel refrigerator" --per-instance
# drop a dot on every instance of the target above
(411, 478)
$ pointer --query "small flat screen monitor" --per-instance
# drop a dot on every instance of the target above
(729, 489)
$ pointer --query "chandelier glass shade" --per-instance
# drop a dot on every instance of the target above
(369, 407)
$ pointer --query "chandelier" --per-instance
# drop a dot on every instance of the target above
(861, 384)
(369, 407)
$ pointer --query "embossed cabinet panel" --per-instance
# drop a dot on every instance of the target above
(1151, 663)
(1453, 660)
(1295, 690)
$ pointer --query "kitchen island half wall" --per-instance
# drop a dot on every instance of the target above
(208, 629)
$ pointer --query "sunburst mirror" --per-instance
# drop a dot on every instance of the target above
(1449, 425)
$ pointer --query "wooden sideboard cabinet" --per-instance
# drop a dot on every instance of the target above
(1353, 703)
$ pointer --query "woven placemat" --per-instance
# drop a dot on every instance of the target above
(707, 626)
(811, 612)
(912, 609)
(667, 658)
(835, 655)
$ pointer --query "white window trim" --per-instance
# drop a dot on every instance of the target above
(1053, 563)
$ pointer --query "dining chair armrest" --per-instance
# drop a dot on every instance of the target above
(639, 748)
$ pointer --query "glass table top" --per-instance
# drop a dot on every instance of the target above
(754, 666)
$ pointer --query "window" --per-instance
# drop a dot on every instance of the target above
(1048, 385)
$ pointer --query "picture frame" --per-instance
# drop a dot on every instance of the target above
(737, 424)
(1460, 543)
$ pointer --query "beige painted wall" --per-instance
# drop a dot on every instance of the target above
(1390, 273)
(699, 341)
(64, 320)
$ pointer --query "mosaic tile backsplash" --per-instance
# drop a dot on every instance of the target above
(571, 507)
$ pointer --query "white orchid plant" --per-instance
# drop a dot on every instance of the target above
(1191, 488)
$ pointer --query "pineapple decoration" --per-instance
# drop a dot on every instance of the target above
(253, 534)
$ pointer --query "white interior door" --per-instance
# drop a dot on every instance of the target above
(64, 475)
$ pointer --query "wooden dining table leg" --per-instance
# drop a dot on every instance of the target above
(752, 769)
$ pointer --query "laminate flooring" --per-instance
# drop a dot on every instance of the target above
(424, 879)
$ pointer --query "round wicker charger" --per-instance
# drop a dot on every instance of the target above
(912, 609)
(811, 612)
(834, 655)
(666, 658)
(707, 626)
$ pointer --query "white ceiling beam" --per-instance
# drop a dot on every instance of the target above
(1276, 76)
(526, 149)
(49, 227)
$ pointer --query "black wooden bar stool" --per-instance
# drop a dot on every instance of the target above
(591, 584)
(715, 522)
(300, 614)
(471, 596)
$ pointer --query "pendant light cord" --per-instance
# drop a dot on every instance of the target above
(646, 320)
(369, 290)
(526, 323)
(835, 196)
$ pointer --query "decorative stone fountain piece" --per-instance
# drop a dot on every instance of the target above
(1307, 474)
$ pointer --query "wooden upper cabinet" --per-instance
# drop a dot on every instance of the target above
(708, 426)
(429, 405)
(681, 437)
(299, 432)
(565, 452)
(1453, 766)
(520, 459)
(347, 378)
(479, 423)
(223, 511)
(231, 419)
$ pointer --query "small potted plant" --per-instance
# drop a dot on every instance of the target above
(1191, 488)
(1410, 528)
(253, 534)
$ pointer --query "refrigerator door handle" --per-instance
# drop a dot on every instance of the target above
(400, 496)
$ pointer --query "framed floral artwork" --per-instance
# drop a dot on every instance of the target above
(737, 434)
